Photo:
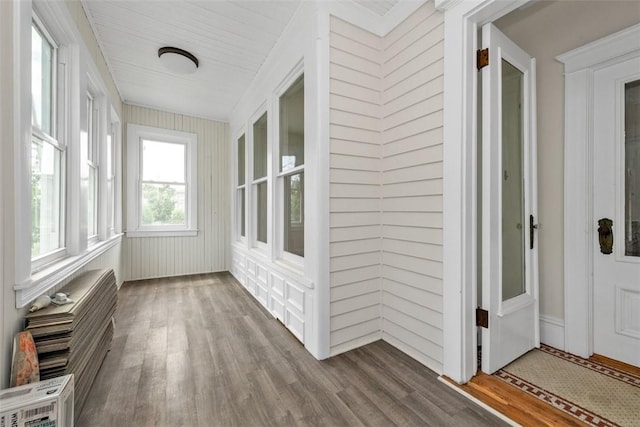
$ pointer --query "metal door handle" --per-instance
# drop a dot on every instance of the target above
(605, 235)
(532, 228)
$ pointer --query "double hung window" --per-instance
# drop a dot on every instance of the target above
(92, 164)
(162, 192)
(291, 167)
(240, 188)
(260, 178)
(47, 151)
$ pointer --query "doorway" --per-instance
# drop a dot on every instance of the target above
(561, 205)
(507, 195)
(603, 277)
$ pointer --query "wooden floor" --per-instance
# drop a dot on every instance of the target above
(199, 351)
(519, 406)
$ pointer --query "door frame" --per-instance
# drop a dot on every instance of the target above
(579, 229)
(462, 20)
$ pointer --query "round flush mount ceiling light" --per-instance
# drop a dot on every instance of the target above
(178, 60)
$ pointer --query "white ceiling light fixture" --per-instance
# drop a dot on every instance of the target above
(178, 60)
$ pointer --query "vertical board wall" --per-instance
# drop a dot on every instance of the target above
(355, 178)
(386, 106)
(151, 257)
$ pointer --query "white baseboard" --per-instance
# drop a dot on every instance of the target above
(552, 332)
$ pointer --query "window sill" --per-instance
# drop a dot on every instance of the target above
(163, 233)
(294, 271)
(50, 276)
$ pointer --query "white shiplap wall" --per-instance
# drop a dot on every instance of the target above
(412, 108)
(355, 178)
(209, 250)
(386, 186)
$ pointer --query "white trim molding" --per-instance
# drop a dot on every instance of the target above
(461, 22)
(135, 135)
(552, 332)
(580, 65)
(48, 278)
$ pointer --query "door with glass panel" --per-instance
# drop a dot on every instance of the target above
(616, 211)
(508, 228)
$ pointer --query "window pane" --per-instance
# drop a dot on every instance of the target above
(241, 161)
(260, 147)
(294, 214)
(241, 210)
(261, 214)
(41, 81)
(92, 202)
(513, 274)
(46, 195)
(292, 126)
(163, 204)
(110, 189)
(163, 162)
(632, 168)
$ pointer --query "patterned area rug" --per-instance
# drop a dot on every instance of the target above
(594, 393)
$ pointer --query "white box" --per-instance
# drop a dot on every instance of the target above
(46, 403)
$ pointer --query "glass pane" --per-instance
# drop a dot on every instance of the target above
(41, 81)
(513, 229)
(163, 204)
(90, 135)
(46, 198)
(92, 202)
(241, 211)
(294, 214)
(163, 162)
(261, 214)
(241, 161)
(110, 178)
(292, 126)
(632, 168)
(260, 147)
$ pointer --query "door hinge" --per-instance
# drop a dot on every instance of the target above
(482, 58)
(482, 317)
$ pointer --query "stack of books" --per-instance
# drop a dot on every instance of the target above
(75, 338)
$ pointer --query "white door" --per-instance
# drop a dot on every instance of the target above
(616, 284)
(509, 254)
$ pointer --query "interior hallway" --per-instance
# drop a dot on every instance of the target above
(199, 351)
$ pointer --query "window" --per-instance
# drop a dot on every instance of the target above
(240, 189)
(260, 180)
(112, 149)
(162, 171)
(47, 152)
(291, 167)
(92, 163)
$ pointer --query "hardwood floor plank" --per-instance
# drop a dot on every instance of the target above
(199, 351)
(519, 406)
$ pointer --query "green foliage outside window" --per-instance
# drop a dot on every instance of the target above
(160, 205)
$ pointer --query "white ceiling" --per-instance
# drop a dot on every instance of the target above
(230, 38)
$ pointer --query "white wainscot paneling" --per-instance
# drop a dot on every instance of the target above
(280, 292)
(627, 312)
(295, 324)
(262, 285)
(276, 297)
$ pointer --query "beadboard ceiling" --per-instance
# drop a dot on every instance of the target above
(231, 39)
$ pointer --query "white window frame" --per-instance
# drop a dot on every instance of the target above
(290, 258)
(238, 217)
(92, 158)
(135, 135)
(75, 67)
(113, 188)
(56, 140)
(253, 197)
